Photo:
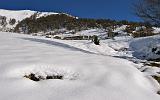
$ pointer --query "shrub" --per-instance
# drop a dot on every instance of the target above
(96, 40)
(32, 77)
(35, 77)
(12, 21)
(3, 20)
(158, 92)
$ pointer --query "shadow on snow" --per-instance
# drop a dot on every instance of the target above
(62, 45)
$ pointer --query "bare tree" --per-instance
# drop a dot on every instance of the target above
(148, 10)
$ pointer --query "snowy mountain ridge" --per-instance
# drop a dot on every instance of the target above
(29, 22)
(10, 18)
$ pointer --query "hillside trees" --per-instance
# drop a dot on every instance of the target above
(63, 21)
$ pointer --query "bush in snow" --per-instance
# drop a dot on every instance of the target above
(158, 92)
(35, 77)
(12, 21)
(3, 21)
(96, 40)
(32, 77)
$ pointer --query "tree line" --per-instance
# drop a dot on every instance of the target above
(59, 21)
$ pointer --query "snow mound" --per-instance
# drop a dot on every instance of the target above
(44, 71)
(90, 32)
(120, 29)
(146, 48)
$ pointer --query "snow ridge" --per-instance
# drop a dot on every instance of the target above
(19, 15)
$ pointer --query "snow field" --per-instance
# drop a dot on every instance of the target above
(97, 76)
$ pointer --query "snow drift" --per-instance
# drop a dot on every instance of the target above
(146, 48)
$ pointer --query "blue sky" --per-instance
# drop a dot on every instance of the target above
(112, 9)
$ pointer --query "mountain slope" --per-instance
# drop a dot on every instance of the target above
(7, 15)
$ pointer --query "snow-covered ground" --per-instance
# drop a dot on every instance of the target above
(89, 73)
(156, 30)
(141, 48)
(91, 32)
(146, 48)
